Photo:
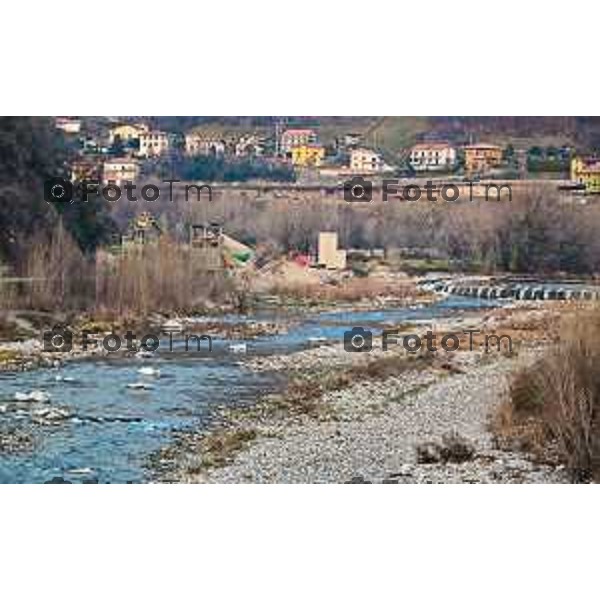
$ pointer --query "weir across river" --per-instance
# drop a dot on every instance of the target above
(507, 288)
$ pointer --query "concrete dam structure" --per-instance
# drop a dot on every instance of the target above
(517, 290)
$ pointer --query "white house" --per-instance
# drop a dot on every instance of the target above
(432, 156)
(364, 160)
(249, 145)
(68, 124)
(119, 170)
(200, 144)
(153, 143)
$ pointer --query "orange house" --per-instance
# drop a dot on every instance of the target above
(482, 157)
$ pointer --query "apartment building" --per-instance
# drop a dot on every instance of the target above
(297, 137)
(120, 170)
(197, 144)
(585, 170)
(308, 156)
(364, 160)
(435, 156)
(153, 143)
(482, 157)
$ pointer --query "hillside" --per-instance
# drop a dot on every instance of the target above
(395, 134)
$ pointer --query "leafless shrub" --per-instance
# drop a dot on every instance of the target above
(56, 274)
(163, 277)
(555, 404)
(154, 277)
(537, 232)
(351, 290)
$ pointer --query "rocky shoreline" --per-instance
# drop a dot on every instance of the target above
(392, 419)
(22, 332)
(28, 354)
(381, 416)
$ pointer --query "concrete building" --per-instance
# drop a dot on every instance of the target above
(68, 124)
(126, 132)
(297, 137)
(432, 156)
(119, 170)
(480, 158)
(197, 144)
(351, 140)
(308, 156)
(586, 171)
(213, 250)
(364, 160)
(153, 143)
(329, 256)
(249, 145)
(142, 230)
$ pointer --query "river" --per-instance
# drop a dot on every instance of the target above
(112, 429)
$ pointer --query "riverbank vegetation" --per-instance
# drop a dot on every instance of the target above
(58, 276)
(554, 406)
(538, 232)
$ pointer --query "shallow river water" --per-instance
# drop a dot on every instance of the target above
(112, 429)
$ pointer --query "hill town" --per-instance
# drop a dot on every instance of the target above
(299, 299)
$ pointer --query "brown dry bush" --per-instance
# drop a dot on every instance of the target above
(159, 277)
(57, 275)
(351, 290)
(554, 405)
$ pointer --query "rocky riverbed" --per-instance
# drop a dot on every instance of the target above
(427, 422)
(290, 404)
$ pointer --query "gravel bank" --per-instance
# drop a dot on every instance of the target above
(375, 429)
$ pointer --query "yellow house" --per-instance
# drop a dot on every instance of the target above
(126, 132)
(586, 171)
(308, 156)
(481, 157)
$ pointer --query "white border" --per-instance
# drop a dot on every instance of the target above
(350, 58)
(298, 541)
(312, 58)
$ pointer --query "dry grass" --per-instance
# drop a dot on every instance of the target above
(8, 356)
(56, 276)
(160, 277)
(220, 446)
(554, 407)
(350, 290)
